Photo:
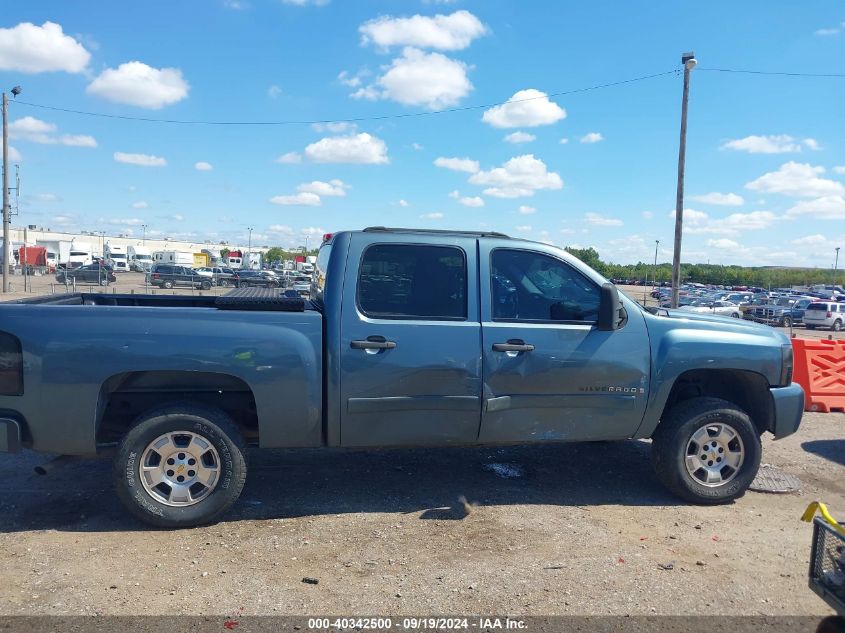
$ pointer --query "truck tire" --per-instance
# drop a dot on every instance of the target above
(837, 325)
(167, 284)
(706, 451)
(180, 465)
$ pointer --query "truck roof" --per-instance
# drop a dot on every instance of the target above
(385, 229)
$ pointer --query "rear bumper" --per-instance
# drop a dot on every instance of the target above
(788, 409)
(10, 436)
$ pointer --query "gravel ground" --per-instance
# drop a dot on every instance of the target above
(575, 529)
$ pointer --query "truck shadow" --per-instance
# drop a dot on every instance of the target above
(435, 484)
(832, 450)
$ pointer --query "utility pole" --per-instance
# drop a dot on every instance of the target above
(656, 244)
(836, 266)
(5, 193)
(689, 62)
(249, 249)
(144, 234)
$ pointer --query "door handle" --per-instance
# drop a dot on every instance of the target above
(513, 346)
(373, 342)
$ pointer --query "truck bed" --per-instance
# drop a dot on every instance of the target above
(260, 299)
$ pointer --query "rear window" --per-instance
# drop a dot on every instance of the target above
(408, 281)
(822, 307)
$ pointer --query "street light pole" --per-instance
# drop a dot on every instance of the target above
(144, 234)
(836, 266)
(249, 248)
(5, 193)
(689, 62)
(656, 244)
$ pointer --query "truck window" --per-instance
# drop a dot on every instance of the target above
(410, 281)
(529, 286)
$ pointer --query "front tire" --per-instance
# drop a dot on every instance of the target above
(180, 465)
(787, 322)
(706, 451)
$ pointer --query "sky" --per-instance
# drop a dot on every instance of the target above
(468, 114)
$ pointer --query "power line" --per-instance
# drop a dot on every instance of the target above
(341, 120)
(765, 72)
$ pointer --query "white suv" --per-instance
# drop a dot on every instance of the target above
(824, 314)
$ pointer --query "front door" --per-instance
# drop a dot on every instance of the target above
(410, 342)
(549, 372)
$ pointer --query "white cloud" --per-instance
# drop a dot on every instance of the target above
(353, 81)
(125, 221)
(303, 199)
(800, 180)
(563, 141)
(771, 144)
(526, 108)
(290, 158)
(457, 164)
(334, 187)
(305, 3)
(520, 137)
(421, 79)
(811, 240)
(274, 92)
(37, 131)
(29, 48)
(720, 199)
(839, 169)
(138, 84)
(475, 201)
(523, 228)
(591, 137)
(140, 205)
(362, 149)
(692, 217)
(203, 166)
(597, 219)
(14, 155)
(178, 217)
(826, 32)
(723, 244)
(455, 194)
(47, 197)
(526, 210)
(648, 215)
(432, 216)
(416, 146)
(519, 177)
(144, 160)
(280, 228)
(335, 127)
(441, 32)
(823, 208)
(404, 203)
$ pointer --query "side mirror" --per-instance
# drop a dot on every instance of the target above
(609, 308)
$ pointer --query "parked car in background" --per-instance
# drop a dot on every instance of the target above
(173, 276)
(90, 274)
(258, 278)
(721, 308)
(223, 277)
(824, 314)
(301, 285)
(783, 311)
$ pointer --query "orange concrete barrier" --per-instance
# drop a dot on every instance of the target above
(820, 370)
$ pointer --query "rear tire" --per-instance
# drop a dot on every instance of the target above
(690, 439)
(810, 327)
(167, 284)
(190, 433)
(206, 285)
(837, 325)
(104, 282)
(787, 322)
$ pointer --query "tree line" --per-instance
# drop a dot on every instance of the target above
(763, 276)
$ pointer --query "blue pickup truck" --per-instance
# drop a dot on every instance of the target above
(411, 338)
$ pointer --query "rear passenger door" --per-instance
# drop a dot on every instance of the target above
(410, 341)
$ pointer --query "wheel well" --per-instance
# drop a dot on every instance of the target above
(126, 396)
(746, 389)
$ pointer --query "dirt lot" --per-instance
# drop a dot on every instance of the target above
(582, 530)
